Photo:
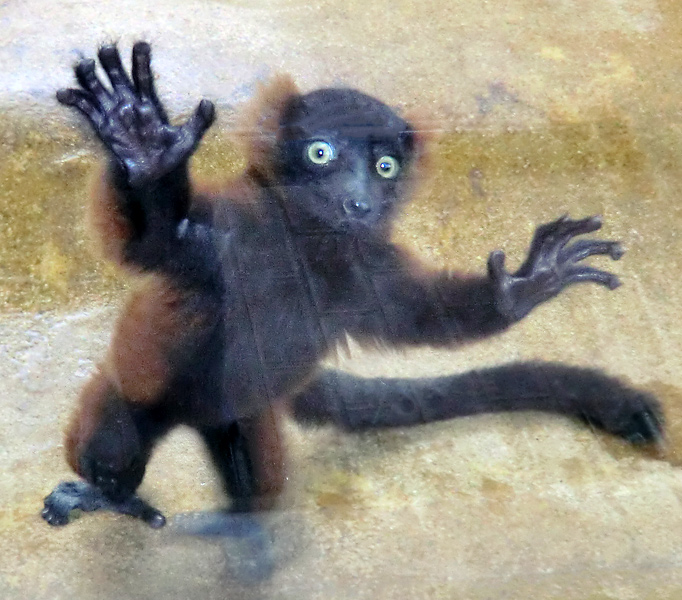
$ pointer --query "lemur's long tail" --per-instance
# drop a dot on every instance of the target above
(356, 403)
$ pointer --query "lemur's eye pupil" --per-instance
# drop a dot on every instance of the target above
(387, 167)
(319, 152)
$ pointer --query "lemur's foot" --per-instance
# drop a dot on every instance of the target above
(80, 495)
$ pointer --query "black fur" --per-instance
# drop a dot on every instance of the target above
(355, 403)
(264, 291)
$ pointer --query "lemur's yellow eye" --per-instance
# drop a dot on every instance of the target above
(320, 153)
(388, 167)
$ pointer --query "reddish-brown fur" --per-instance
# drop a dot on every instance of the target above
(86, 417)
(157, 318)
(241, 289)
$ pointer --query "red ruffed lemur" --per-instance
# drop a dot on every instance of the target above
(244, 290)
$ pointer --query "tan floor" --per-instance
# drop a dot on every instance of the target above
(546, 107)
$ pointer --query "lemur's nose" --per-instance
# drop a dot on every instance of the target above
(356, 207)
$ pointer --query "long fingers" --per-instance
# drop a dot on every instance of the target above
(496, 265)
(187, 139)
(554, 236)
(591, 275)
(88, 80)
(195, 127)
(110, 59)
(550, 239)
(123, 89)
(84, 102)
(143, 77)
(584, 248)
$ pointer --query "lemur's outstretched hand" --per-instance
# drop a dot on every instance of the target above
(129, 118)
(552, 265)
